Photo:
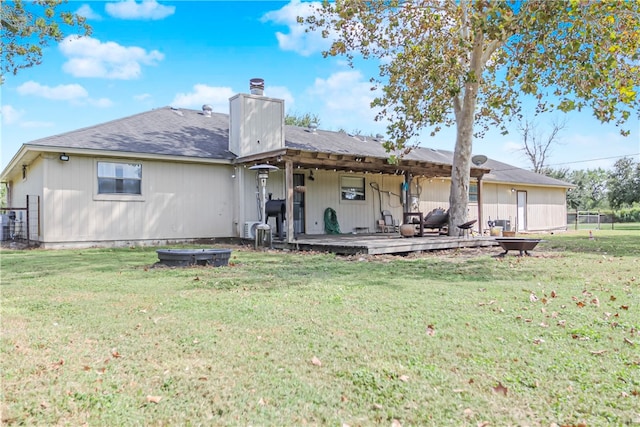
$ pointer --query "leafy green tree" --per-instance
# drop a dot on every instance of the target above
(472, 63)
(28, 27)
(590, 189)
(624, 183)
(302, 120)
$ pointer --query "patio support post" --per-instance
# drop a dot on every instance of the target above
(480, 222)
(406, 194)
(289, 202)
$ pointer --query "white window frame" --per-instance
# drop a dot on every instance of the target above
(118, 196)
(475, 193)
(342, 187)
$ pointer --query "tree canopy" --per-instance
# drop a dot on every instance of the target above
(472, 64)
(27, 28)
(302, 120)
(624, 183)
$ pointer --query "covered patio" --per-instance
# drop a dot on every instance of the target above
(329, 151)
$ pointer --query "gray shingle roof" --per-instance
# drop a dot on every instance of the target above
(164, 131)
(167, 131)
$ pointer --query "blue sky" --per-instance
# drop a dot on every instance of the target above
(145, 55)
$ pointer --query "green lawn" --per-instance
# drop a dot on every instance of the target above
(102, 337)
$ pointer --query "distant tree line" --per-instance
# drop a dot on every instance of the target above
(617, 188)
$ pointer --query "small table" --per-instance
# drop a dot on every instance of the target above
(408, 215)
(360, 230)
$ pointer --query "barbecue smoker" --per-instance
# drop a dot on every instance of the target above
(277, 208)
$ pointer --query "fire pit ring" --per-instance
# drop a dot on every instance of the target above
(517, 244)
(187, 257)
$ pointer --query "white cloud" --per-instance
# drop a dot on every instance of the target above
(89, 57)
(147, 9)
(217, 97)
(58, 93)
(346, 102)
(512, 146)
(74, 93)
(86, 11)
(101, 102)
(9, 114)
(142, 97)
(36, 124)
(297, 40)
(280, 92)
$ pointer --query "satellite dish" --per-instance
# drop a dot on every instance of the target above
(479, 160)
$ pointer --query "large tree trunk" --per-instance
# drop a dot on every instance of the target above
(464, 108)
(459, 192)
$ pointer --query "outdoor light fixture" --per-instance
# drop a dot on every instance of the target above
(513, 190)
(64, 157)
(262, 175)
(311, 177)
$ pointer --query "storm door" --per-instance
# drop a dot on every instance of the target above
(298, 204)
(522, 211)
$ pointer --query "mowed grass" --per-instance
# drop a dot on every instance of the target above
(102, 337)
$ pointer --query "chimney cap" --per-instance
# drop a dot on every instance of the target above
(256, 86)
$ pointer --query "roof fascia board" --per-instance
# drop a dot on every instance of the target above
(27, 149)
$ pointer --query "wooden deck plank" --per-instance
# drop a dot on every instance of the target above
(379, 244)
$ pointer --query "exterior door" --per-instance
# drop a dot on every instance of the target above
(522, 211)
(298, 205)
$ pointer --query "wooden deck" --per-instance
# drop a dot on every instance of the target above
(381, 243)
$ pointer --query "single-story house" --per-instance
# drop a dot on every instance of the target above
(169, 175)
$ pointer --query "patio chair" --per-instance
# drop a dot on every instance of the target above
(436, 219)
(464, 228)
(387, 223)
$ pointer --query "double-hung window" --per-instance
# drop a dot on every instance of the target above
(473, 192)
(352, 188)
(119, 178)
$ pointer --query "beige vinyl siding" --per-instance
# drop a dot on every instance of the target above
(546, 208)
(324, 193)
(434, 193)
(30, 186)
(178, 201)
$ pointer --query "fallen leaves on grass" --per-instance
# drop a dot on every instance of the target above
(431, 330)
(598, 352)
(628, 341)
(154, 399)
(500, 389)
(315, 361)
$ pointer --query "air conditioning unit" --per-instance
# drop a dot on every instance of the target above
(249, 231)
